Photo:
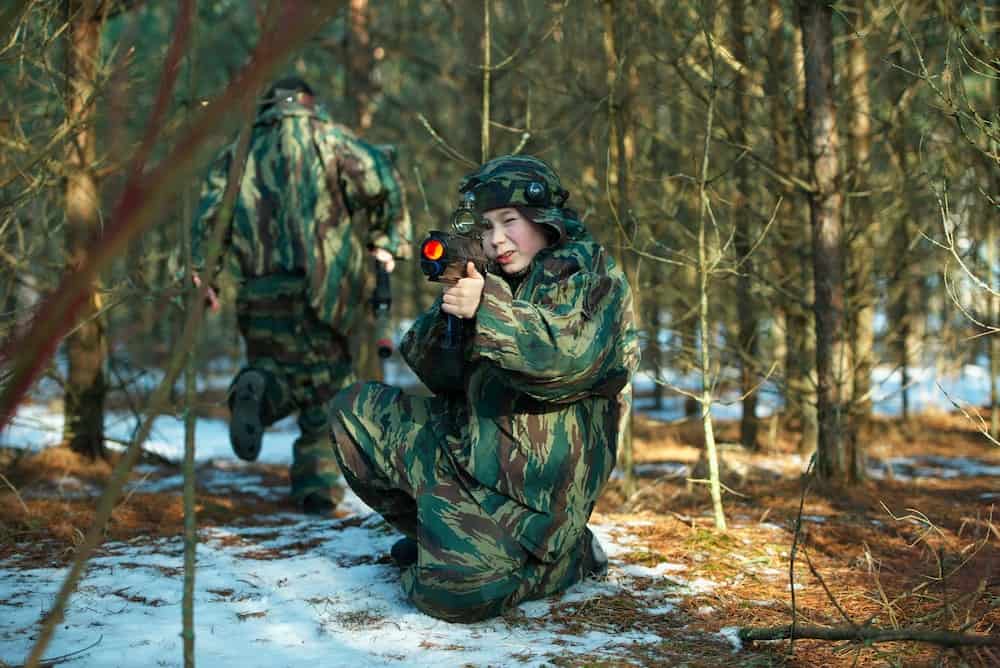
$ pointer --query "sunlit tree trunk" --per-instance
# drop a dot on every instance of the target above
(793, 267)
(993, 340)
(835, 460)
(711, 453)
(865, 237)
(469, 23)
(992, 270)
(360, 60)
(902, 282)
(705, 267)
(747, 314)
(618, 179)
(86, 346)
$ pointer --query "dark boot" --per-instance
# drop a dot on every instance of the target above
(595, 561)
(245, 428)
(317, 504)
(404, 552)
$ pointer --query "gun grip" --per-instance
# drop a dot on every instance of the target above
(453, 332)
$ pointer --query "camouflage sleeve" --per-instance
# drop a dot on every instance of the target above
(212, 191)
(372, 182)
(564, 352)
(421, 348)
(391, 228)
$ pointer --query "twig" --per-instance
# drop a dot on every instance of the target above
(883, 598)
(704, 481)
(870, 634)
(63, 657)
(982, 427)
(450, 150)
(16, 493)
(829, 594)
(791, 552)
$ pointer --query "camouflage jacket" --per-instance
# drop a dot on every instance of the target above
(546, 389)
(304, 178)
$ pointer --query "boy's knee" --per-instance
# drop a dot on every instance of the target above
(462, 600)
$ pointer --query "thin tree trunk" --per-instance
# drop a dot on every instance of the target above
(793, 265)
(862, 255)
(902, 281)
(705, 267)
(993, 273)
(469, 24)
(654, 352)
(993, 340)
(826, 207)
(617, 177)
(711, 453)
(360, 60)
(805, 326)
(484, 137)
(86, 346)
(746, 311)
(190, 417)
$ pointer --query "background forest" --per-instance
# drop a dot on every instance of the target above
(803, 194)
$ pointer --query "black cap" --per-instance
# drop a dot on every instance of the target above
(283, 87)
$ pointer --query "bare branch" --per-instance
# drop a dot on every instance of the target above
(870, 634)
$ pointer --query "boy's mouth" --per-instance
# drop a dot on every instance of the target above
(505, 258)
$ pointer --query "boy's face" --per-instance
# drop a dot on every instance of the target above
(511, 239)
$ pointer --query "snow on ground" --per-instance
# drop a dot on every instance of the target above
(926, 389)
(931, 466)
(263, 600)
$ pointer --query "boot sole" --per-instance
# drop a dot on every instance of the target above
(245, 428)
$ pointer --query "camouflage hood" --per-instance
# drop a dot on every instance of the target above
(562, 221)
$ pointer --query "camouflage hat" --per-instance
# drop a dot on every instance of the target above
(513, 180)
(521, 181)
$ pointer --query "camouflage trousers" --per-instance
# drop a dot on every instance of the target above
(393, 451)
(306, 363)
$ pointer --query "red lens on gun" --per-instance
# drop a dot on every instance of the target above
(432, 249)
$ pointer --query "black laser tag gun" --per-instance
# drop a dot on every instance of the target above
(445, 255)
(381, 302)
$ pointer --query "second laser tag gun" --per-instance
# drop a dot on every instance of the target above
(381, 302)
(444, 257)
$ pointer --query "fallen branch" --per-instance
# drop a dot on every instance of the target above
(63, 657)
(871, 634)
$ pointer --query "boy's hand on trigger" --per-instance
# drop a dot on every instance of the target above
(463, 298)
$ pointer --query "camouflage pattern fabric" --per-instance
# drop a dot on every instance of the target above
(396, 452)
(300, 246)
(306, 363)
(546, 386)
(497, 477)
(305, 175)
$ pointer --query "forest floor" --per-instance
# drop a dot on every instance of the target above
(915, 547)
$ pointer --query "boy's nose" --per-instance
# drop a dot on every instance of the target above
(497, 236)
